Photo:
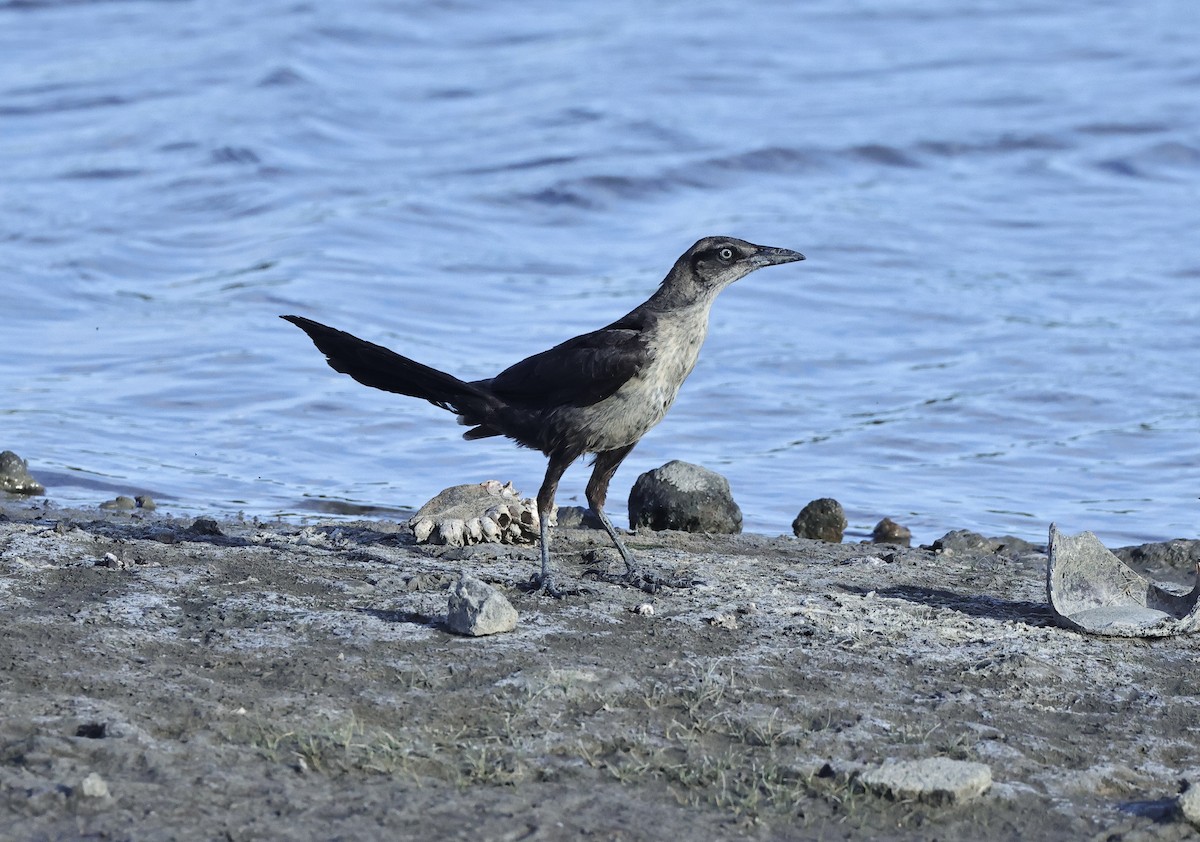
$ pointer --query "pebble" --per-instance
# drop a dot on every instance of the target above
(821, 520)
(934, 780)
(94, 786)
(477, 609)
(205, 526)
(887, 531)
(685, 497)
(725, 621)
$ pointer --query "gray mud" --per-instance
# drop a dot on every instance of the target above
(161, 679)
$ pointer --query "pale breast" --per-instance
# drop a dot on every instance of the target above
(639, 404)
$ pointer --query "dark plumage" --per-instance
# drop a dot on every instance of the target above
(597, 393)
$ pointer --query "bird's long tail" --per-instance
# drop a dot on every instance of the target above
(376, 366)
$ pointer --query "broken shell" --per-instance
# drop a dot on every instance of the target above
(421, 528)
(1093, 591)
(490, 512)
(491, 532)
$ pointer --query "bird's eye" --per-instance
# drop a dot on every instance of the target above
(726, 254)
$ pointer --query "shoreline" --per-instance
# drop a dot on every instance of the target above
(191, 677)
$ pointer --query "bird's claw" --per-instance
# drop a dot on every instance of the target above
(546, 586)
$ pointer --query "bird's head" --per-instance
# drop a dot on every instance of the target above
(716, 262)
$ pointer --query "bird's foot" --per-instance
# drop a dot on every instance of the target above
(546, 586)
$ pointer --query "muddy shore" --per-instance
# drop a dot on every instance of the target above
(168, 678)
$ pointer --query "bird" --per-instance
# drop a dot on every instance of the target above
(598, 393)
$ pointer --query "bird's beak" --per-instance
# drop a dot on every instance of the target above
(770, 256)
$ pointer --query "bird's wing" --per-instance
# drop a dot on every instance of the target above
(579, 372)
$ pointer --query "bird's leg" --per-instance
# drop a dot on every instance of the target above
(605, 466)
(545, 502)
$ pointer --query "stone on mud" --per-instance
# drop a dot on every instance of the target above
(934, 780)
(94, 786)
(821, 520)
(477, 609)
(684, 497)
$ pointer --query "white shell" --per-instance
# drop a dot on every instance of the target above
(490, 512)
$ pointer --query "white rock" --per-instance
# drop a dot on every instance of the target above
(94, 786)
(934, 780)
(477, 609)
(1189, 803)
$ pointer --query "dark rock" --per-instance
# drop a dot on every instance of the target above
(1012, 546)
(1180, 554)
(205, 526)
(821, 520)
(963, 541)
(685, 497)
(887, 531)
(15, 477)
(577, 517)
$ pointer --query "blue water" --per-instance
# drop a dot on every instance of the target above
(997, 325)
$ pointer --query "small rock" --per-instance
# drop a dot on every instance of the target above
(644, 610)
(120, 502)
(725, 621)
(205, 526)
(683, 496)
(145, 501)
(478, 609)
(94, 786)
(112, 562)
(934, 780)
(578, 517)
(821, 520)
(1189, 803)
(15, 476)
(887, 531)
(963, 541)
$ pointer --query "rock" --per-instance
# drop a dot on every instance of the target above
(1189, 803)
(1180, 554)
(145, 501)
(205, 526)
(887, 531)
(94, 786)
(821, 520)
(578, 517)
(120, 502)
(934, 780)
(685, 497)
(963, 541)
(1010, 545)
(724, 620)
(15, 477)
(478, 609)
